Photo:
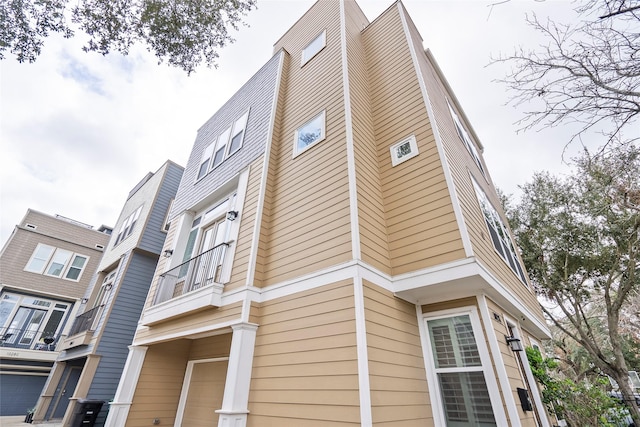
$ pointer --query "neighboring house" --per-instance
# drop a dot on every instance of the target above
(96, 348)
(45, 268)
(339, 253)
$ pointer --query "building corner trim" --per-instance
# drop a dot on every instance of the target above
(351, 161)
(457, 209)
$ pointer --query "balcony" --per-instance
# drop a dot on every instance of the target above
(82, 329)
(27, 339)
(194, 285)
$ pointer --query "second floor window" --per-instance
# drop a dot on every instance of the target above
(56, 262)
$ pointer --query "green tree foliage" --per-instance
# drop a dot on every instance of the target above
(586, 74)
(185, 33)
(580, 403)
(579, 238)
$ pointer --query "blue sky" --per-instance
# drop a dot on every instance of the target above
(79, 130)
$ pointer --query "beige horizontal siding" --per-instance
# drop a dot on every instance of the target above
(307, 227)
(371, 216)
(510, 363)
(462, 165)
(305, 362)
(202, 320)
(399, 392)
(158, 389)
(206, 390)
(23, 243)
(413, 190)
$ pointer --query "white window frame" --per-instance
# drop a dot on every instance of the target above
(397, 156)
(128, 225)
(33, 257)
(486, 367)
(166, 224)
(205, 161)
(323, 133)
(66, 267)
(507, 250)
(223, 142)
(466, 139)
(84, 265)
(312, 49)
(239, 126)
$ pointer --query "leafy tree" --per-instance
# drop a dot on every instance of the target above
(183, 32)
(579, 402)
(587, 73)
(579, 238)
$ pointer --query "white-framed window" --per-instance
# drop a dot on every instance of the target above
(166, 224)
(499, 233)
(26, 320)
(460, 367)
(466, 139)
(225, 145)
(309, 133)
(206, 160)
(312, 49)
(56, 262)
(404, 150)
(103, 292)
(40, 258)
(76, 267)
(128, 225)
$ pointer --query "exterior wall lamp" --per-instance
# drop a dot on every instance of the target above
(168, 253)
(232, 215)
(514, 343)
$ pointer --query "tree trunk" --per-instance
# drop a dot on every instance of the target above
(622, 378)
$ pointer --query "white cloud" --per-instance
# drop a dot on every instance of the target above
(79, 130)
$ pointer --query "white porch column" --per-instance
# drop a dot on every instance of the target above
(236, 390)
(119, 408)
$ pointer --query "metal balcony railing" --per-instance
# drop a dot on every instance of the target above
(27, 339)
(85, 321)
(202, 270)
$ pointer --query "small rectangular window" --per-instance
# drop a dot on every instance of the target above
(204, 162)
(314, 47)
(76, 267)
(309, 134)
(238, 134)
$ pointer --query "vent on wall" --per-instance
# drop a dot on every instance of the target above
(31, 226)
(100, 247)
(404, 150)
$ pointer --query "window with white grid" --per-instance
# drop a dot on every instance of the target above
(460, 372)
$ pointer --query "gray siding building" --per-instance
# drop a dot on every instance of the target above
(95, 350)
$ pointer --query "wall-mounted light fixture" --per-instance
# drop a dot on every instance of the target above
(514, 343)
(108, 287)
(232, 215)
(168, 253)
(84, 300)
